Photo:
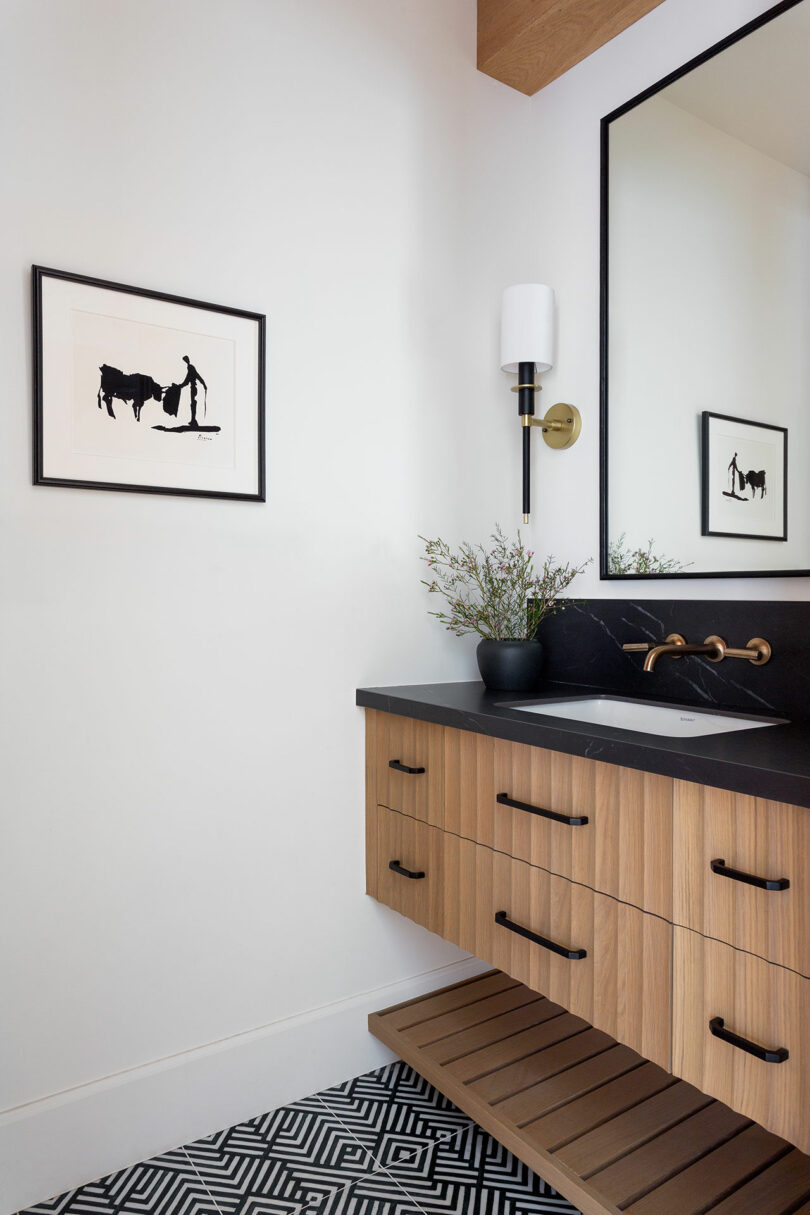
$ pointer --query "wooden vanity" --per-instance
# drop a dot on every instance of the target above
(644, 1039)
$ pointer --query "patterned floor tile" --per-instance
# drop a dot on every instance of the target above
(474, 1173)
(292, 1157)
(382, 1144)
(378, 1194)
(394, 1113)
(167, 1186)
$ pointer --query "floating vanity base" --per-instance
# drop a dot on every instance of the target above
(609, 1130)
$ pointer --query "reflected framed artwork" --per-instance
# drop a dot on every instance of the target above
(146, 392)
(744, 474)
(705, 307)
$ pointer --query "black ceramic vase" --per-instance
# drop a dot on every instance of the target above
(510, 666)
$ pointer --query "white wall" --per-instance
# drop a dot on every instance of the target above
(710, 257)
(566, 117)
(182, 761)
(182, 853)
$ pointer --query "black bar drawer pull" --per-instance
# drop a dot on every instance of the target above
(573, 955)
(503, 799)
(720, 867)
(394, 763)
(415, 874)
(717, 1027)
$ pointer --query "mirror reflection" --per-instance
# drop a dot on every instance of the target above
(706, 425)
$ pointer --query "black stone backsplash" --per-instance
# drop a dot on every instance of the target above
(584, 646)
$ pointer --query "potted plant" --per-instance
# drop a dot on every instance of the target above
(496, 592)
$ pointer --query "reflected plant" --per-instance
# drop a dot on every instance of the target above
(625, 560)
(496, 591)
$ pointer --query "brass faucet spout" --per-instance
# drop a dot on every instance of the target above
(677, 648)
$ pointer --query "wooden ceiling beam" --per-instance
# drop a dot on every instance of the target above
(528, 43)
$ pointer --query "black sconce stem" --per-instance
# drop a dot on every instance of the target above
(526, 393)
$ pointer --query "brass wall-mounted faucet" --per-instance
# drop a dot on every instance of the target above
(757, 651)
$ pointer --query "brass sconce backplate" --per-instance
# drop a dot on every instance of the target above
(561, 426)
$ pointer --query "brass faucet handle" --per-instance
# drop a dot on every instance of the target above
(721, 650)
(644, 647)
(760, 651)
(757, 651)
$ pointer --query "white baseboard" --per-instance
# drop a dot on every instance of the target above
(59, 1142)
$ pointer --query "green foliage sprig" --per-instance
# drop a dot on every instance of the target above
(625, 560)
(495, 591)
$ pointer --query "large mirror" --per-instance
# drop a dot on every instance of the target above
(706, 313)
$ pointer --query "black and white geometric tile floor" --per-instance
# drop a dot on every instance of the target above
(386, 1143)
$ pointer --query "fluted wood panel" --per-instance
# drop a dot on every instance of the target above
(595, 887)
(622, 986)
(371, 802)
(625, 848)
(764, 1003)
(764, 838)
(418, 848)
(417, 744)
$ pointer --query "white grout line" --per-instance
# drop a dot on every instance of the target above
(407, 1193)
(380, 1172)
(411, 1156)
(202, 1182)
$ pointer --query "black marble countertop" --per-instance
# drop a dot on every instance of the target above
(773, 762)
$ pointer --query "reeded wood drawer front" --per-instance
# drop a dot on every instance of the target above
(625, 847)
(764, 844)
(406, 870)
(406, 762)
(766, 1006)
(622, 983)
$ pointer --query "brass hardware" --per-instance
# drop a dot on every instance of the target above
(763, 651)
(757, 651)
(561, 426)
(546, 423)
(525, 518)
(534, 387)
(644, 647)
(720, 649)
(677, 647)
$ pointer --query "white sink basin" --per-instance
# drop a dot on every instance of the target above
(672, 721)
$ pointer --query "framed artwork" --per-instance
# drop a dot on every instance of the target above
(744, 478)
(146, 392)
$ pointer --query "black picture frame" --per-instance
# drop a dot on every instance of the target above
(706, 488)
(604, 265)
(39, 276)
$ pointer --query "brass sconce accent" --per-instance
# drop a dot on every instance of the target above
(560, 426)
(527, 342)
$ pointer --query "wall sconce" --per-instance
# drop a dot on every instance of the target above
(527, 348)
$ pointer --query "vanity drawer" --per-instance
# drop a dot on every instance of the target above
(764, 845)
(405, 761)
(602, 960)
(604, 826)
(767, 1007)
(406, 867)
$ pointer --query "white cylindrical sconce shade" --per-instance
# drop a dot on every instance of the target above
(527, 327)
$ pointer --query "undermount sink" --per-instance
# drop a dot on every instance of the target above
(644, 717)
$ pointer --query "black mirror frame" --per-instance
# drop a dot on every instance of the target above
(749, 28)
